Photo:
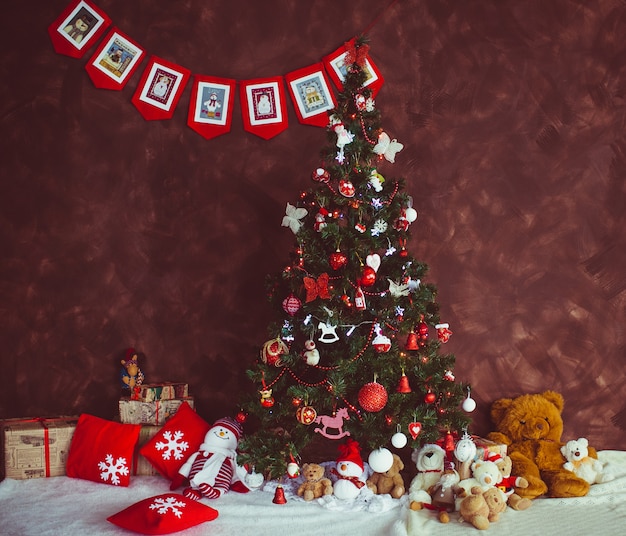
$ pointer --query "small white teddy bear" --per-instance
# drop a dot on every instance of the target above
(429, 460)
(581, 464)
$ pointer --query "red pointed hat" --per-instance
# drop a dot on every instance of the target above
(230, 424)
(350, 452)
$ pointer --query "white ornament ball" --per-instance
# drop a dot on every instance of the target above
(380, 460)
(469, 404)
(399, 440)
(410, 214)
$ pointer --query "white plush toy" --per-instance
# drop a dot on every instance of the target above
(579, 462)
(212, 470)
(429, 460)
(349, 471)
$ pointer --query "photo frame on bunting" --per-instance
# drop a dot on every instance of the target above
(311, 95)
(264, 111)
(211, 105)
(160, 88)
(76, 30)
(115, 61)
(337, 69)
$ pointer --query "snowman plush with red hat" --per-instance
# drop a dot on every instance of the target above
(349, 471)
(212, 470)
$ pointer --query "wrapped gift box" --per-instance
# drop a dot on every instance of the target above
(35, 448)
(156, 412)
(148, 392)
(484, 448)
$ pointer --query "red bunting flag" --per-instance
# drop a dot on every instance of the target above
(311, 95)
(160, 88)
(77, 29)
(263, 107)
(211, 105)
(115, 61)
(338, 62)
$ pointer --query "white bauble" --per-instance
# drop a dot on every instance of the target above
(399, 440)
(380, 460)
(469, 404)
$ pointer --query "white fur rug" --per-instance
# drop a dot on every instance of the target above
(70, 507)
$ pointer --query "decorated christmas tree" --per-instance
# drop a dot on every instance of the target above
(355, 349)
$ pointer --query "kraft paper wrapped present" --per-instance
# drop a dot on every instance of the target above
(156, 412)
(35, 447)
(148, 392)
(141, 466)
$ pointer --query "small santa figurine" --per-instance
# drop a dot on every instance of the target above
(349, 470)
(212, 470)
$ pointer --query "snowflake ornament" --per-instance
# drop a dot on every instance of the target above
(380, 226)
(112, 469)
(163, 505)
(173, 445)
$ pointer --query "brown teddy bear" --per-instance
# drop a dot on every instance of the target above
(531, 426)
(474, 509)
(390, 481)
(481, 508)
(314, 485)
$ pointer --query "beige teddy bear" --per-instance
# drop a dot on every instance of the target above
(481, 508)
(314, 485)
(429, 460)
(390, 481)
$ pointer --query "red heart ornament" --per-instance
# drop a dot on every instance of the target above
(337, 260)
(414, 429)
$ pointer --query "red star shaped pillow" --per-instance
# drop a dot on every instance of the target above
(163, 514)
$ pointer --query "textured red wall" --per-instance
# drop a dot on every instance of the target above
(117, 232)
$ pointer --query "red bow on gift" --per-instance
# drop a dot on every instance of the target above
(317, 289)
(356, 54)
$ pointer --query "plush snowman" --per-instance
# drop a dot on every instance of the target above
(349, 471)
(212, 470)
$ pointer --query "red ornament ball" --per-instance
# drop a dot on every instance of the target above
(373, 397)
(368, 277)
(292, 304)
(242, 416)
(306, 415)
(430, 397)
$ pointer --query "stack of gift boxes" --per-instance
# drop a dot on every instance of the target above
(37, 448)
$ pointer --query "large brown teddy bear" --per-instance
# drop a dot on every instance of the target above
(531, 426)
(390, 481)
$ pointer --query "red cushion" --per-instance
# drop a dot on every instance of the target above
(163, 514)
(180, 437)
(102, 450)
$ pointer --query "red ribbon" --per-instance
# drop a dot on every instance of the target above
(358, 483)
(46, 437)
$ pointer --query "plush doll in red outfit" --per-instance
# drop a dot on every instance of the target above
(508, 482)
(212, 470)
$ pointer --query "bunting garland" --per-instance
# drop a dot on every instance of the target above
(263, 101)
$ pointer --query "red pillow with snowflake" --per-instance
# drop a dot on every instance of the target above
(180, 437)
(163, 514)
(102, 450)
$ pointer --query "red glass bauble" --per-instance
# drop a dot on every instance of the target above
(430, 397)
(373, 397)
(296, 402)
(241, 417)
(337, 260)
(368, 278)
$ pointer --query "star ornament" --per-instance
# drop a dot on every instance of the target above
(387, 147)
(293, 216)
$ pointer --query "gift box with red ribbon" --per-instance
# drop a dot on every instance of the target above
(35, 447)
(156, 412)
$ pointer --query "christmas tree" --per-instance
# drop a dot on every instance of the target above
(351, 351)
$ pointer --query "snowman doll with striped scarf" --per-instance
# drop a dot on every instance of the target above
(212, 470)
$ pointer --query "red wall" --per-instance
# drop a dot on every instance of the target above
(117, 232)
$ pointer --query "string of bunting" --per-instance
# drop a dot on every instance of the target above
(263, 103)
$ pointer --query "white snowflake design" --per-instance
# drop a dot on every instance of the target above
(163, 504)
(113, 469)
(173, 445)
